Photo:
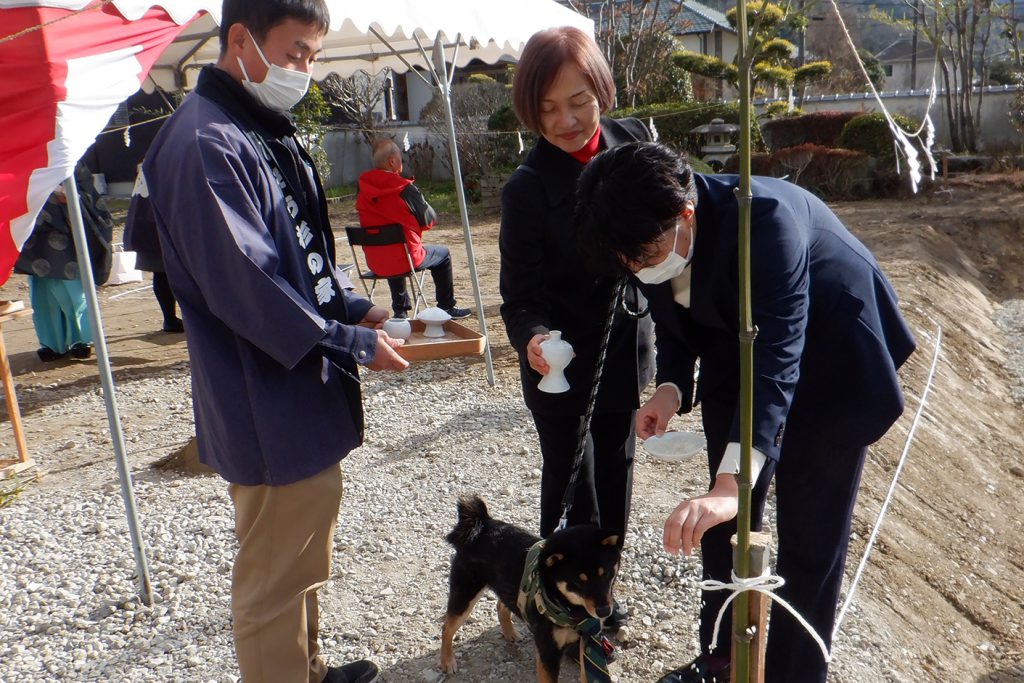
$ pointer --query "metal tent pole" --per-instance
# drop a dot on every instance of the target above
(444, 88)
(107, 380)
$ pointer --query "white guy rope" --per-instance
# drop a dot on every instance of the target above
(130, 291)
(892, 486)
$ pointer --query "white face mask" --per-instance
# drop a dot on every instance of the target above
(281, 89)
(673, 265)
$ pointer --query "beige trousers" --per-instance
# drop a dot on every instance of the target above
(285, 536)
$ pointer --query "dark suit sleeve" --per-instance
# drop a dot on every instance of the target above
(521, 244)
(780, 281)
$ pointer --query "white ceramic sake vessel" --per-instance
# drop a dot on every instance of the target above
(433, 319)
(556, 353)
(398, 328)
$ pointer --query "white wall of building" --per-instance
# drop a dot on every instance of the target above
(705, 44)
(349, 155)
(419, 95)
(995, 133)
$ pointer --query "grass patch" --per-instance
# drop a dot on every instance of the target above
(441, 195)
(346, 191)
(9, 492)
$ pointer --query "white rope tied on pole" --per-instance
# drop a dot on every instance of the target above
(765, 584)
(892, 487)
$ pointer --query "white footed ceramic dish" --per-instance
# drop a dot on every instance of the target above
(675, 446)
(433, 319)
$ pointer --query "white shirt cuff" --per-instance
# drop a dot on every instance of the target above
(731, 461)
(679, 392)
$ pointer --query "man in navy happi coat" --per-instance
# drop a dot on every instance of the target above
(272, 335)
(829, 340)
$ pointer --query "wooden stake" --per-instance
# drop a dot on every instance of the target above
(9, 469)
(760, 551)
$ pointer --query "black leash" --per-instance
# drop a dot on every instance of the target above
(570, 491)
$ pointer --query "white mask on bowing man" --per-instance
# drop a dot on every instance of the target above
(277, 71)
(660, 267)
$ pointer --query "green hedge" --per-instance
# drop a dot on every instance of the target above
(827, 172)
(869, 133)
(820, 128)
(675, 120)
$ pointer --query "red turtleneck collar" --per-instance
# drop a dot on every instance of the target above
(589, 150)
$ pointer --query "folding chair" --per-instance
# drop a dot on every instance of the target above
(385, 236)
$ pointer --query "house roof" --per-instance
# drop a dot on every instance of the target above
(693, 17)
(703, 19)
(902, 50)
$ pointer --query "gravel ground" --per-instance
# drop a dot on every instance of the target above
(66, 572)
(1010, 319)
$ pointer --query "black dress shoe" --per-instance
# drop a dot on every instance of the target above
(174, 326)
(704, 669)
(363, 671)
(80, 351)
(48, 355)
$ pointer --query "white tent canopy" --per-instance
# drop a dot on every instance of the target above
(384, 34)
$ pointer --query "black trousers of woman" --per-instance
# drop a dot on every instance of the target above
(604, 488)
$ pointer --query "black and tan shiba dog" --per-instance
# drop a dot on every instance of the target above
(566, 590)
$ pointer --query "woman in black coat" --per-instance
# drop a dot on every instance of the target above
(562, 85)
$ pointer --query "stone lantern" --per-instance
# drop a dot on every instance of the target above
(716, 142)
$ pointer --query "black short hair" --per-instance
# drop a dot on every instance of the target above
(626, 197)
(259, 16)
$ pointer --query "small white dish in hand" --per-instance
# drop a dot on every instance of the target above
(675, 446)
(433, 319)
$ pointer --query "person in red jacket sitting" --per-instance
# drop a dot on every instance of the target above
(385, 197)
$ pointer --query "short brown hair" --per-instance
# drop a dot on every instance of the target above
(545, 53)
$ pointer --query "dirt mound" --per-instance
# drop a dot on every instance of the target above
(946, 578)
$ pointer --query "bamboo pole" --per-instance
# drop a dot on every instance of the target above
(757, 613)
(742, 635)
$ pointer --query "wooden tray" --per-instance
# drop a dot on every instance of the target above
(458, 340)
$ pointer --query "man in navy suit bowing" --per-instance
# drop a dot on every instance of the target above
(829, 341)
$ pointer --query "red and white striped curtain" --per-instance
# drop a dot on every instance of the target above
(63, 72)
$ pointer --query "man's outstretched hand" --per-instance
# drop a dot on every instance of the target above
(688, 522)
(386, 358)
